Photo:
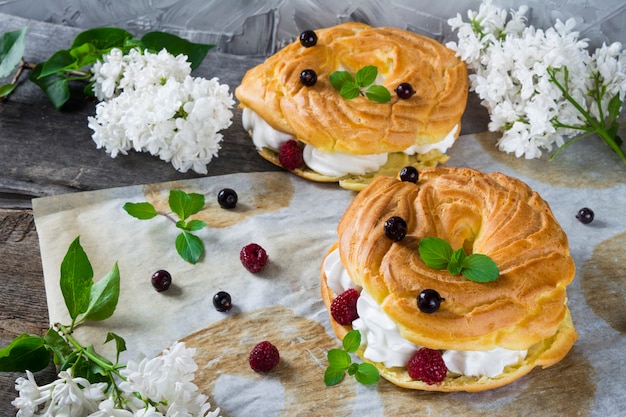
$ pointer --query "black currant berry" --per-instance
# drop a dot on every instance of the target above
(227, 198)
(585, 215)
(409, 174)
(308, 77)
(405, 91)
(222, 301)
(428, 301)
(395, 228)
(308, 38)
(161, 280)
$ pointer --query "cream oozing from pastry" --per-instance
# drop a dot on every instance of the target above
(335, 164)
(385, 344)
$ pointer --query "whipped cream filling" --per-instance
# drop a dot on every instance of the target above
(385, 344)
(335, 164)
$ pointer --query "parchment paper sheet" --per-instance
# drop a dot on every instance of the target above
(295, 221)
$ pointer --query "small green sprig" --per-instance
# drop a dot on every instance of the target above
(438, 254)
(70, 65)
(340, 362)
(184, 205)
(360, 85)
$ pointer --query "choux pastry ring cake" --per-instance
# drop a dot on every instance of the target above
(344, 129)
(457, 279)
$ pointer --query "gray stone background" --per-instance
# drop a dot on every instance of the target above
(259, 28)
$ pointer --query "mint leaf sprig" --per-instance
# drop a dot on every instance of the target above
(360, 85)
(183, 205)
(438, 254)
(340, 362)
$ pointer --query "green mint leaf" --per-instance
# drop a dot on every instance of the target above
(102, 38)
(352, 341)
(104, 296)
(456, 261)
(58, 345)
(480, 268)
(12, 46)
(338, 78)
(7, 89)
(194, 225)
(366, 76)
(189, 247)
(333, 376)
(349, 90)
(353, 368)
(435, 252)
(339, 359)
(184, 205)
(195, 52)
(378, 94)
(141, 211)
(55, 86)
(24, 352)
(367, 374)
(76, 279)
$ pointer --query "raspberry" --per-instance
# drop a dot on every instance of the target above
(264, 357)
(427, 365)
(253, 257)
(343, 308)
(290, 155)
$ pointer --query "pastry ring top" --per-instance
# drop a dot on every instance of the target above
(492, 214)
(320, 117)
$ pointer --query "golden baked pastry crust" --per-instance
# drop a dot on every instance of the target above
(320, 117)
(525, 308)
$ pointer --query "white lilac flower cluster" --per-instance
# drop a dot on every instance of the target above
(150, 103)
(157, 387)
(511, 65)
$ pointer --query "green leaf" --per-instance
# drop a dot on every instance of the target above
(185, 205)
(12, 46)
(194, 225)
(338, 78)
(102, 38)
(378, 94)
(456, 261)
(141, 211)
(104, 296)
(480, 268)
(7, 89)
(58, 345)
(76, 279)
(55, 86)
(339, 359)
(120, 344)
(195, 52)
(189, 247)
(333, 376)
(25, 352)
(367, 374)
(435, 252)
(366, 76)
(349, 90)
(352, 341)
(59, 62)
(353, 368)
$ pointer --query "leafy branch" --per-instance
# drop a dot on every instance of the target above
(85, 300)
(183, 205)
(67, 65)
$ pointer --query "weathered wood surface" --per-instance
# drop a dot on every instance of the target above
(44, 151)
